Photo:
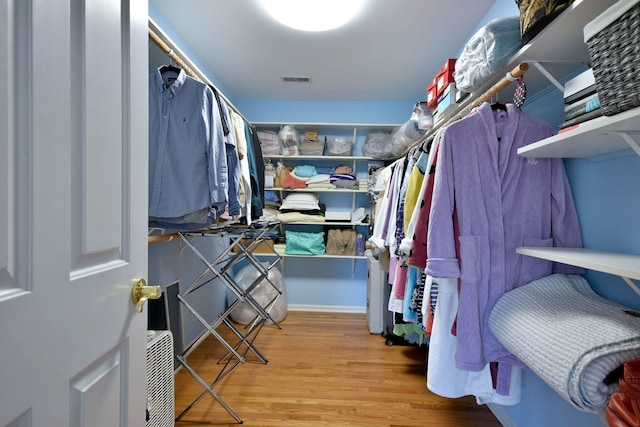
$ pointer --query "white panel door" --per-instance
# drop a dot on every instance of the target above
(73, 212)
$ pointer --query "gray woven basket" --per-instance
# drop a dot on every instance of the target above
(615, 60)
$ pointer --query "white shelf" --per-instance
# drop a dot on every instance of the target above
(326, 126)
(323, 158)
(338, 196)
(324, 256)
(587, 139)
(592, 138)
(329, 223)
(623, 265)
(559, 48)
(316, 190)
(563, 39)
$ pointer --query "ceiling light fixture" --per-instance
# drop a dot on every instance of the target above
(313, 15)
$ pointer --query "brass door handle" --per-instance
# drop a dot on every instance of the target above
(140, 293)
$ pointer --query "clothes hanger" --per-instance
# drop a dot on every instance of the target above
(172, 70)
(426, 145)
(497, 105)
(170, 67)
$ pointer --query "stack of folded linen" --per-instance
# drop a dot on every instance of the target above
(344, 180)
(301, 207)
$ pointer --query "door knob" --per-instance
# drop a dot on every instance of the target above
(140, 293)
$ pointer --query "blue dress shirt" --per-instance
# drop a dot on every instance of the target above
(187, 155)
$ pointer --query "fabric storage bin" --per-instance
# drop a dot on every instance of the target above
(339, 146)
(269, 143)
(304, 243)
(341, 242)
(613, 39)
(311, 148)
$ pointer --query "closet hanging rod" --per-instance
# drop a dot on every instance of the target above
(167, 45)
(510, 77)
(505, 81)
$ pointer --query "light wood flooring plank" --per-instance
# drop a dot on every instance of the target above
(324, 369)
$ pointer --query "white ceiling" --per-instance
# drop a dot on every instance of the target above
(389, 52)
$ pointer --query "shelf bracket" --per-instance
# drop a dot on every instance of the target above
(548, 75)
(631, 284)
(630, 141)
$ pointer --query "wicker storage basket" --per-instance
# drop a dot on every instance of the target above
(613, 39)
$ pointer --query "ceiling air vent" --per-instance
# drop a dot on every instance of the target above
(296, 79)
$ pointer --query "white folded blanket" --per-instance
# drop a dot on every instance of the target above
(568, 335)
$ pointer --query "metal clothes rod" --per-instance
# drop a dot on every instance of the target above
(173, 51)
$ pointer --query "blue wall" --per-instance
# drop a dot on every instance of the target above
(606, 194)
(283, 111)
(607, 199)
(184, 47)
(171, 262)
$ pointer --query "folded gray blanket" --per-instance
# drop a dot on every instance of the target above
(567, 335)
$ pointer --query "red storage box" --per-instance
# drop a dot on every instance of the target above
(445, 76)
(432, 96)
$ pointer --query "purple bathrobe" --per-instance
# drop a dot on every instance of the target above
(502, 201)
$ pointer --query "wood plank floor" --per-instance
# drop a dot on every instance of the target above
(324, 369)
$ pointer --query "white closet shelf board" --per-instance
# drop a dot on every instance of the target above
(555, 43)
(323, 256)
(316, 190)
(326, 126)
(327, 157)
(618, 264)
(591, 138)
(560, 51)
(279, 249)
(329, 223)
